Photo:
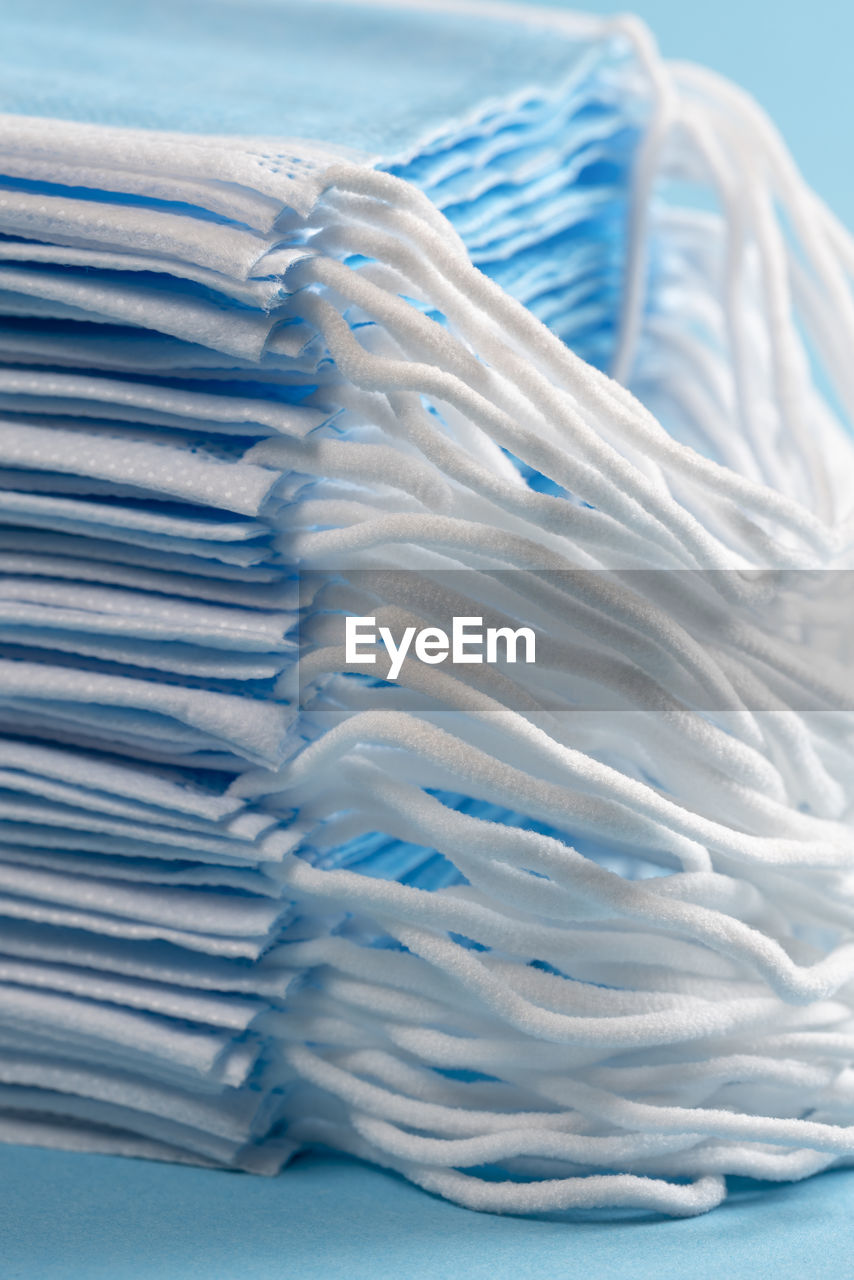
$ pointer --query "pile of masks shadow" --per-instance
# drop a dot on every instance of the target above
(165, 403)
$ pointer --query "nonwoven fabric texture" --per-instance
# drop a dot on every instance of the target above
(407, 312)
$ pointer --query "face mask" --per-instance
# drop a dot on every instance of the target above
(131, 1034)
(147, 870)
(215, 914)
(155, 469)
(250, 594)
(203, 556)
(110, 1115)
(232, 1013)
(184, 637)
(182, 409)
(83, 342)
(158, 789)
(519, 936)
(168, 530)
(124, 704)
(230, 1113)
(70, 1136)
(25, 291)
(518, 53)
(71, 917)
(41, 824)
(269, 977)
(27, 601)
(264, 293)
(213, 244)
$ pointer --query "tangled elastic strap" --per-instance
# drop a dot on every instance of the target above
(630, 973)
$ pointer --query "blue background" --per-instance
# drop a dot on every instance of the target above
(75, 1217)
(81, 1217)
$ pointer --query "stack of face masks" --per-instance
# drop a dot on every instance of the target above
(563, 934)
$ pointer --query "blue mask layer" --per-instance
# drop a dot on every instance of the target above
(332, 72)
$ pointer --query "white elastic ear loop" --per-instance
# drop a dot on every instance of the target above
(436, 341)
(645, 163)
(823, 240)
(374, 373)
(591, 385)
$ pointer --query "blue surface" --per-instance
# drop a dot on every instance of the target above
(81, 1217)
(71, 1217)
